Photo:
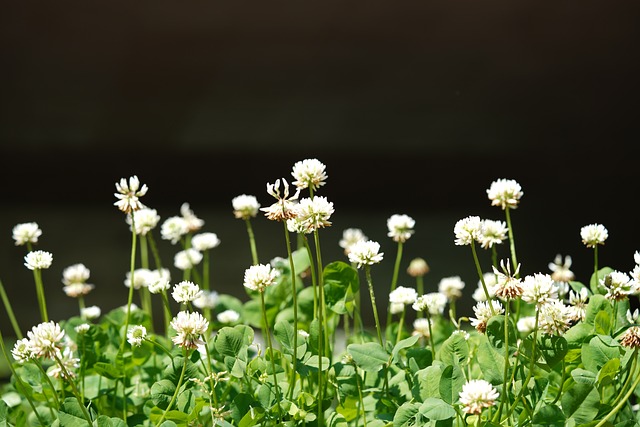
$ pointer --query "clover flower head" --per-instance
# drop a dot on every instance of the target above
(619, 286)
(593, 234)
(144, 219)
(451, 287)
(539, 289)
(189, 327)
(508, 286)
(490, 282)
(421, 327)
(635, 274)
(554, 318)
(27, 232)
(477, 395)
(173, 229)
(38, 260)
(136, 335)
(208, 299)
(245, 206)
(400, 227)
(578, 304)
(298, 226)
(314, 213)
(23, 351)
(75, 290)
(349, 237)
(228, 316)
(46, 339)
(82, 328)
(185, 292)
(403, 295)
(76, 273)
(309, 173)
(492, 233)
(129, 194)
(432, 302)
(505, 193)
(205, 241)
(365, 252)
(467, 230)
(91, 312)
(285, 207)
(482, 311)
(631, 337)
(193, 222)
(560, 270)
(67, 360)
(187, 258)
(526, 324)
(418, 267)
(142, 278)
(259, 277)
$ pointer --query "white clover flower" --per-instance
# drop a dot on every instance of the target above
(27, 232)
(451, 287)
(186, 291)
(193, 222)
(400, 227)
(38, 260)
(228, 316)
(285, 207)
(421, 327)
(309, 173)
(554, 318)
(145, 220)
(526, 324)
(136, 335)
(189, 327)
(619, 286)
(464, 334)
(636, 257)
(418, 267)
(314, 213)
(23, 351)
(302, 333)
(160, 285)
(467, 230)
(142, 278)
(396, 307)
(482, 311)
(490, 281)
(632, 317)
(296, 225)
(90, 313)
(46, 339)
(173, 229)
(69, 362)
(365, 252)
(76, 273)
(74, 290)
(539, 289)
(560, 270)
(187, 258)
(82, 328)
(635, 274)
(208, 299)
(259, 277)
(433, 302)
(505, 193)
(205, 241)
(403, 295)
(593, 234)
(133, 307)
(508, 286)
(492, 233)
(129, 193)
(578, 304)
(245, 206)
(631, 338)
(477, 395)
(349, 237)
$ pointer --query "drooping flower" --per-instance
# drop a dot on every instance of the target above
(27, 232)
(418, 267)
(46, 339)
(259, 277)
(314, 214)
(309, 173)
(189, 327)
(205, 241)
(145, 220)
(349, 237)
(228, 316)
(174, 228)
(467, 230)
(365, 252)
(245, 206)
(136, 335)
(539, 289)
(631, 337)
(593, 234)
(477, 395)
(492, 233)
(560, 270)
(400, 227)
(451, 287)
(187, 258)
(505, 193)
(285, 207)
(483, 313)
(129, 194)
(38, 260)
(185, 292)
(193, 222)
(508, 286)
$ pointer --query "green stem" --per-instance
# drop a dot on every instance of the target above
(433, 347)
(294, 294)
(394, 280)
(479, 270)
(358, 384)
(420, 290)
(367, 270)
(595, 266)
(44, 374)
(42, 303)
(401, 325)
(505, 376)
(252, 242)
(67, 377)
(131, 269)
(273, 362)
(12, 317)
(175, 393)
(512, 243)
(623, 401)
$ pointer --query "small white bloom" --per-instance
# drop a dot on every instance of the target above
(145, 220)
(526, 324)
(560, 270)
(69, 362)
(228, 316)
(23, 351)
(136, 335)
(492, 233)
(185, 292)
(365, 252)
(193, 222)
(483, 313)
(129, 193)
(490, 281)
(477, 395)
(187, 259)
(302, 333)
(396, 307)
(208, 299)
(76, 273)
(314, 213)
(400, 227)
(451, 287)
(539, 289)
(174, 228)
(205, 241)
(421, 327)
(259, 277)
(90, 313)
(296, 225)
(554, 318)
(46, 339)
(27, 232)
(245, 206)
(403, 295)
(160, 285)
(619, 286)
(74, 290)
(593, 234)
(508, 286)
(417, 267)
(633, 317)
(309, 173)
(38, 260)
(467, 230)
(285, 207)
(349, 237)
(82, 328)
(189, 327)
(505, 193)
(464, 334)
(433, 302)
(578, 304)
(142, 278)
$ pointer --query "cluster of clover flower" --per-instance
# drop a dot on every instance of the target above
(495, 290)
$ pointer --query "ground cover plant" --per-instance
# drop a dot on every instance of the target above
(541, 349)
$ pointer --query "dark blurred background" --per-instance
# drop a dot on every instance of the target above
(414, 107)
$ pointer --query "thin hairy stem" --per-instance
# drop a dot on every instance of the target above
(12, 317)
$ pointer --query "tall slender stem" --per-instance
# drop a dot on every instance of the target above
(42, 302)
(367, 270)
(67, 377)
(623, 401)
(12, 317)
(185, 360)
(512, 243)
(273, 363)
(394, 280)
(252, 242)
(479, 270)
(294, 294)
